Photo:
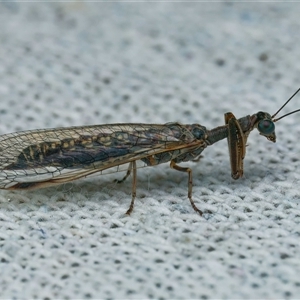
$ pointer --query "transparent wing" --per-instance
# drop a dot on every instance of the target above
(39, 158)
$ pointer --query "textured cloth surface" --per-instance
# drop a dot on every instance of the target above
(65, 64)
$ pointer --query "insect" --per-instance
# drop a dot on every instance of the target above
(40, 158)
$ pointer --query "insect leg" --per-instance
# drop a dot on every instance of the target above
(197, 159)
(190, 183)
(126, 176)
(236, 144)
(132, 166)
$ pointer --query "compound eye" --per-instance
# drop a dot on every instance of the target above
(266, 127)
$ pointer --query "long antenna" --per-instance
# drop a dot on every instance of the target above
(275, 120)
(284, 106)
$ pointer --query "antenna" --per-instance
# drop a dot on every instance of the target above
(274, 120)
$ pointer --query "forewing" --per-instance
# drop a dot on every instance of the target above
(42, 157)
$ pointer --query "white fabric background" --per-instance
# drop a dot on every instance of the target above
(77, 63)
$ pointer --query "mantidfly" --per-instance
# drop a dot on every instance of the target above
(40, 158)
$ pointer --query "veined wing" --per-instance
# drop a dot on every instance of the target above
(40, 158)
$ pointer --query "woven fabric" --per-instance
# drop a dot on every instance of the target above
(79, 63)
